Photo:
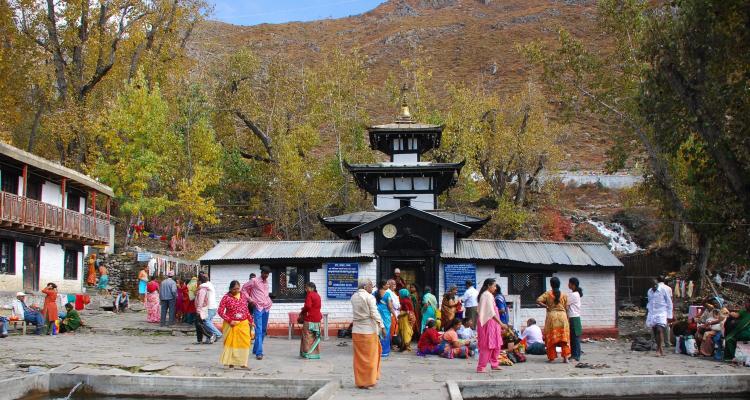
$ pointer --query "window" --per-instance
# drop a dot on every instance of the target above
(9, 180)
(404, 202)
(73, 202)
(529, 285)
(7, 257)
(289, 283)
(70, 268)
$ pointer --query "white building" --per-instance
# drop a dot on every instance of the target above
(431, 247)
(48, 221)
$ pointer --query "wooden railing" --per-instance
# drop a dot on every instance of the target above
(28, 213)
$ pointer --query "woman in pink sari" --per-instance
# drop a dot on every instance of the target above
(152, 303)
(489, 331)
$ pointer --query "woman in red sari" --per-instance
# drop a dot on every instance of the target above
(49, 312)
(237, 320)
(489, 330)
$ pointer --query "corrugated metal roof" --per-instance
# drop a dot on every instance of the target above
(269, 250)
(541, 253)
(367, 216)
(402, 126)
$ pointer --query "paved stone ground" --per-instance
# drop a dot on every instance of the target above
(127, 343)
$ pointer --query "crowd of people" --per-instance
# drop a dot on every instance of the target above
(386, 318)
(712, 332)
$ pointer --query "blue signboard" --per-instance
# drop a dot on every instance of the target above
(458, 274)
(142, 257)
(342, 280)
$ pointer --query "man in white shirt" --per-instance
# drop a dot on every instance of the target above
(25, 313)
(534, 338)
(469, 300)
(663, 285)
(213, 306)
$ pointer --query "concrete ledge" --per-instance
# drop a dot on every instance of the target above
(610, 386)
(326, 392)
(15, 388)
(186, 386)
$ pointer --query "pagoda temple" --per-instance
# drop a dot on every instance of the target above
(406, 229)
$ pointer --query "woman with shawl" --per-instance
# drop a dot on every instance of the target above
(309, 346)
(406, 320)
(556, 327)
(414, 297)
(429, 306)
(740, 331)
(448, 308)
(152, 303)
(489, 328)
(385, 309)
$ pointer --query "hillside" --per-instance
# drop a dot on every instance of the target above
(470, 41)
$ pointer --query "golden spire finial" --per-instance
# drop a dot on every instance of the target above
(405, 115)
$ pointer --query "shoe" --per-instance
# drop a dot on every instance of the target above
(212, 339)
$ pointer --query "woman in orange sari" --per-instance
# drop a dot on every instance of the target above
(91, 279)
(556, 327)
(49, 312)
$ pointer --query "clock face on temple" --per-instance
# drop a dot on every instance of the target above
(389, 231)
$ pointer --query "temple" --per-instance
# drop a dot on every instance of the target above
(406, 229)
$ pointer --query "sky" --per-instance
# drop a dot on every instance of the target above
(253, 12)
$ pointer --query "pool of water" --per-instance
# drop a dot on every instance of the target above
(104, 397)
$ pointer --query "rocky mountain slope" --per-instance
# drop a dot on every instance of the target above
(470, 41)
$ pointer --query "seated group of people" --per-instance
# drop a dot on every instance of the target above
(459, 340)
(717, 330)
(70, 320)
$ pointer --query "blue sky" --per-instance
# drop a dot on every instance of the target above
(252, 12)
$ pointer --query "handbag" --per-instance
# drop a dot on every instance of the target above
(301, 318)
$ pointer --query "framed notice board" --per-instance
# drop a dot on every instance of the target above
(341, 280)
(458, 274)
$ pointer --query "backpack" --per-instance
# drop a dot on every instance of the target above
(641, 344)
(690, 348)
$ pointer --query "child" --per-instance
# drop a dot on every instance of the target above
(465, 332)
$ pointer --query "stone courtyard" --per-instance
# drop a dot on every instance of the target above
(125, 343)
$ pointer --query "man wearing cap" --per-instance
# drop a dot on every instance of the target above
(168, 298)
(25, 313)
(256, 291)
(400, 282)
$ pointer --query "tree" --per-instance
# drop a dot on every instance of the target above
(509, 142)
(672, 80)
(80, 52)
(160, 162)
(695, 96)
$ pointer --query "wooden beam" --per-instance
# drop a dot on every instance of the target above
(25, 175)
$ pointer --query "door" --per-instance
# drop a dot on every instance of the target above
(30, 267)
(414, 270)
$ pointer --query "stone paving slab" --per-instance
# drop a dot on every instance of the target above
(403, 375)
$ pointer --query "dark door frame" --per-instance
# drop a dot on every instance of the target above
(431, 273)
(32, 271)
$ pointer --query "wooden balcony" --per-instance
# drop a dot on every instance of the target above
(24, 214)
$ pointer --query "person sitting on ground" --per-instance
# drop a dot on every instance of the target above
(466, 331)
(3, 327)
(455, 347)
(534, 340)
(713, 334)
(121, 301)
(25, 313)
(739, 331)
(429, 341)
(72, 320)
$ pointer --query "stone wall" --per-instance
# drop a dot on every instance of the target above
(123, 271)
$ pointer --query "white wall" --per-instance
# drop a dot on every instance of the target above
(338, 310)
(405, 158)
(367, 243)
(448, 241)
(51, 194)
(422, 201)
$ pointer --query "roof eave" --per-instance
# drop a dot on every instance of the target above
(368, 226)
